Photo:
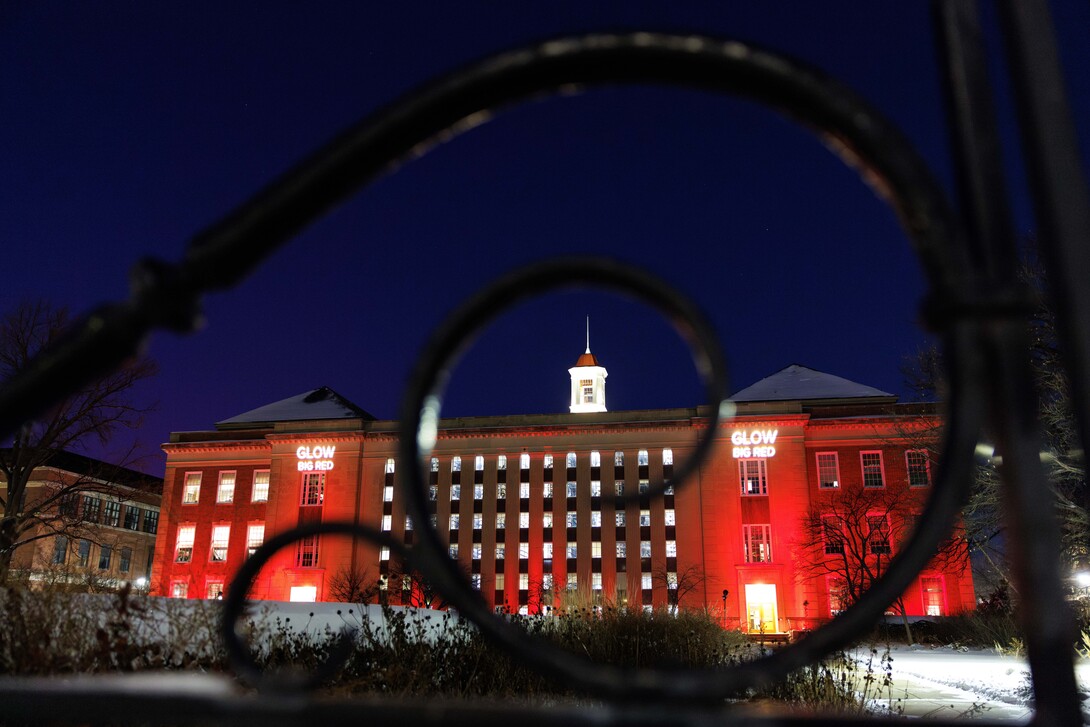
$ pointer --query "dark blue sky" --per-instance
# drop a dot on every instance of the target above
(128, 127)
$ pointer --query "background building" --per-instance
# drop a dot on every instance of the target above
(95, 528)
(524, 502)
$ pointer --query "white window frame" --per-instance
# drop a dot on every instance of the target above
(255, 536)
(744, 477)
(225, 488)
(187, 535)
(835, 465)
(909, 468)
(753, 536)
(191, 488)
(260, 490)
(310, 491)
(219, 542)
(881, 468)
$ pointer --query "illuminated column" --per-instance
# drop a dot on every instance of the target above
(588, 383)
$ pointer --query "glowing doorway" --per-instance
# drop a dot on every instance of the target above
(761, 608)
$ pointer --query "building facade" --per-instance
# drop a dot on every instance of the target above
(96, 528)
(526, 505)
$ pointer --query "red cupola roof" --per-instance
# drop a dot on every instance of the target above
(587, 359)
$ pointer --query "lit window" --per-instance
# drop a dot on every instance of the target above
(454, 521)
(501, 490)
(753, 475)
(214, 591)
(645, 548)
(547, 520)
(595, 459)
(478, 521)
(828, 470)
(872, 469)
(524, 519)
(255, 536)
(758, 543)
(192, 489)
(387, 523)
(644, 486)
(596, 549)
(388, 493)
(105, 553)
(478, 463)
(524, 461)
(572, 550)
(573, 581)
(645, 518)
(313, 489)
(524, 490)
(618, 459)
(501, 520)
(879, 534)
(433, 493)
(501, 551)
(125, 562)
(434, 464)
(595, 518)
(669, 489)
(834, 539)
(183, 547)
(671, 548)
(453, 550)
(390, 466)
(645, 581)
(622, 549)
(572, 489)
(475, 581)
(179, 589)
(501, 462)
(570, 460)
(60, 550)
(455, 492)
(547, 582)
(261, 486)
(478, 492)
(303, 594)
(619, 487)
(620, 518)
(547, 550)
(588, 390)
(595, 488)
(384, 553)
(667, 457)
(524, 551)
(408, 522)
(225, 491)
(596, 581)
(220, 535)
(641, 458)
(572, 520)
(111, 514)
(838, 594)
(919, 468)
(499, 581)
(455, 464)
(548, 490)
(670, 517)
(932, 596)
(524, 581)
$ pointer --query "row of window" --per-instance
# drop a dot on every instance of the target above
(571, 490)
(62, 549)
(220, 539)
(571, 520)
(917, 462)
(91, 509)
(225, 488)
(570, 460)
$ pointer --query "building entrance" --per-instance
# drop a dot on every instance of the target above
(761, 608)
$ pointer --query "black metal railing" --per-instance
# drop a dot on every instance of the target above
(974, 304)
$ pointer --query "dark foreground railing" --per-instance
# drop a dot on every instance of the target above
(974, 304)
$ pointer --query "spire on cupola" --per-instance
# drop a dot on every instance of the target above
(588, 382)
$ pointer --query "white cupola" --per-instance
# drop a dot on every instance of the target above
(588, 382)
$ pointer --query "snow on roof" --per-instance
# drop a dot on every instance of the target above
(800, 382)
(323, 403)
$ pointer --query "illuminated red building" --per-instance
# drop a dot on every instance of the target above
(520, 499)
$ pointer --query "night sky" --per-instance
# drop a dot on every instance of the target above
(128, 127)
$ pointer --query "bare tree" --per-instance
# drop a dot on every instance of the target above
(849, 536)
(94, 413)
(352, 584)
(679, 584)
